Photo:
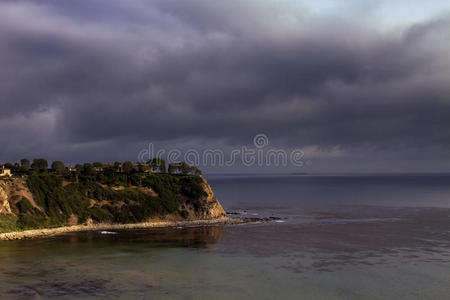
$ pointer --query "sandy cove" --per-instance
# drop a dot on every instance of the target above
(35, 233)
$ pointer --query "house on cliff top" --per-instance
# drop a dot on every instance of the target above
(5, 172)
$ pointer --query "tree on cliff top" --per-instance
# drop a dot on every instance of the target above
(39, 164)
(158, 164)
(25, 164)
(195, 171)
(88, 169)
(98, 165)
(127, 167)
(58, 167)
(184, 169)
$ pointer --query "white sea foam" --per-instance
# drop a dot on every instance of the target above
(108, 232)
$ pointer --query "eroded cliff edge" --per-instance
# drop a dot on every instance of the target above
(47, 201)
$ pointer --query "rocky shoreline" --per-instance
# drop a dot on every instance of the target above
(36, 233)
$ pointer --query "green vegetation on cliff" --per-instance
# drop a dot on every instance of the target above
(102, 197)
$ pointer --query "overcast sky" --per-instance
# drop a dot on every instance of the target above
(358, 87)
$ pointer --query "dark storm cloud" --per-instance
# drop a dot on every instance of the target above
(80, 77)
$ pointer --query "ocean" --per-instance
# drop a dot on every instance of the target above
(331, 236)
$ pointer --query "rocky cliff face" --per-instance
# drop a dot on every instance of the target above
(209, 208)
(12, 191)
(5, 208)
(213, 209)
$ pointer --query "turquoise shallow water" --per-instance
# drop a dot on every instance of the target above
(350, 237)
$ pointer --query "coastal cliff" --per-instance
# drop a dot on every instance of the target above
(49, 201)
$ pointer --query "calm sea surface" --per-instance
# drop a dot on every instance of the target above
(333, 237)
